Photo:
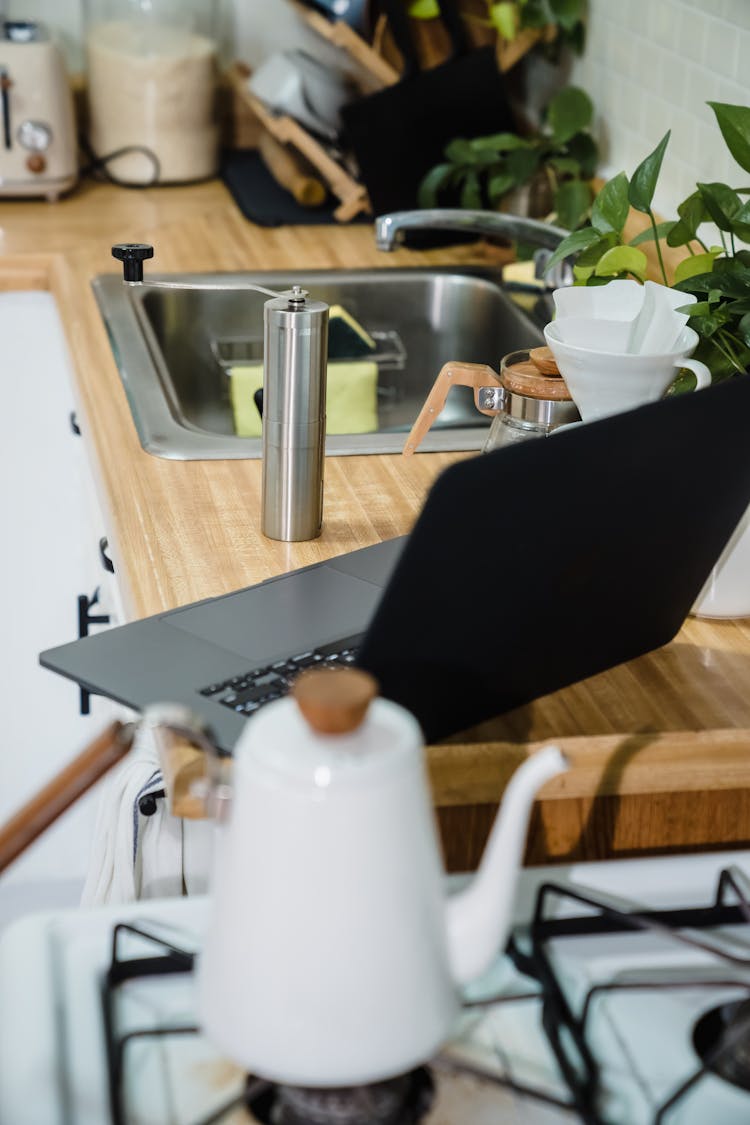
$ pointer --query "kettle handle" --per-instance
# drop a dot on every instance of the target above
(455, 373)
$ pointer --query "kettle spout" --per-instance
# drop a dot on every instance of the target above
(478, 917)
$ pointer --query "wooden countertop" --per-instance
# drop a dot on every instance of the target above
(180, 531)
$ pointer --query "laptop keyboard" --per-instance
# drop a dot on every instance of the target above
(248, 691)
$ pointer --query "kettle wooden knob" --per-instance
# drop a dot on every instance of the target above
(334, 700)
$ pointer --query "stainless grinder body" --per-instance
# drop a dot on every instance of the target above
(294, 418)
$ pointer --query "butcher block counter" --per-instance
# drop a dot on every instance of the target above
(660, 746)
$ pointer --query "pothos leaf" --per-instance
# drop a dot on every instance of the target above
(662, 231)
(573, 244)
(430, 186)
(734, 122)
(643, 180)
(622, 259)
(694, 265)
(722, 204)
(569, 112)
(572, 201)
(610, 208)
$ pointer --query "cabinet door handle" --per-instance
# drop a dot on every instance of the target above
(85, 620)
(74, 423)
(106, 560)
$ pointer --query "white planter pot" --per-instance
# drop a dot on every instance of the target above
(727, 591)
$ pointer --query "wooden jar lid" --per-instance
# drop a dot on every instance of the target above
(334, 700)
(537, 377)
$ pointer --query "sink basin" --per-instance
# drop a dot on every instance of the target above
(174, 349)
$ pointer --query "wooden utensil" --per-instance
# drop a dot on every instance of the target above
(289, 170)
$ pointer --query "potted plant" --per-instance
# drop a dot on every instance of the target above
(715, 268)
(718, 273)
(484, 171)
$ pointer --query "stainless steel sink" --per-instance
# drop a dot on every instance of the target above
(174, 350)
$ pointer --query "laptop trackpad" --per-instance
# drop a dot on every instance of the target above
(280, 618)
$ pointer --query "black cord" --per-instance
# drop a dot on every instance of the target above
(97, 165)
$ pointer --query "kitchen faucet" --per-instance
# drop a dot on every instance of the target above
(389, 230)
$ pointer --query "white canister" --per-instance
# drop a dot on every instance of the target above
(152, 81)
(727, 591)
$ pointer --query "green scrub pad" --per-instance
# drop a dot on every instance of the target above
(351, 398)
(347, 339)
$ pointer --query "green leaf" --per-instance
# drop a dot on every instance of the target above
(437, 178)
(567, 12)
(521, 164)
(699, 308)
(582, 273)
(692, 212)
(741, 222)
(499, 142)
(694, 265)
(744, 328)
(504, 18)
(471, 193)
(721, 203)
(611, 208)
(731, 277)
(568, 113)
(424, 10)
(565, 165)
(498, 185)
(591, 255)
(647, 235)
(534, 13)
(572, 201)
(622, 259)
(643, 180)
(573, 244)
(583, 148)
(460, 151)
(734, 122)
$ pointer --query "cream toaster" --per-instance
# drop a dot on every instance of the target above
(38, 149)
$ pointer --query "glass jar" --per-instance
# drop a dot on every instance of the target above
(531, 404)
(152, 83)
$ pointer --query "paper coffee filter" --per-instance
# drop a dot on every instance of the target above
(622, 317)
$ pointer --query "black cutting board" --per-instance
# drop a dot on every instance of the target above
(400, 132)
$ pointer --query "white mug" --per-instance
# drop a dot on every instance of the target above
(602, 383)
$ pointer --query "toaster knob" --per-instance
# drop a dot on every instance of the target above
(36, 136)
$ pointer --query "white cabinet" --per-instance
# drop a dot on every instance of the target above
(49, 556)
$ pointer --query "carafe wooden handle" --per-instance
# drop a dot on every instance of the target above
(452, 374)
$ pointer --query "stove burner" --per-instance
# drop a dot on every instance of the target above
(398, 1101)
(722, 1039)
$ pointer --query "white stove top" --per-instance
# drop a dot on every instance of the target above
(53, 1062)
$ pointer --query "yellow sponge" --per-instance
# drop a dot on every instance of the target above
(347, 339)
(351, 398)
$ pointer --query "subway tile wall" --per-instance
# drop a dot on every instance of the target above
(651, 65)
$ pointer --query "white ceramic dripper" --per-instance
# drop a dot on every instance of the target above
(619, 363)
(602, 383)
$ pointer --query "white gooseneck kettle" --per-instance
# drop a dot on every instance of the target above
(332, 957)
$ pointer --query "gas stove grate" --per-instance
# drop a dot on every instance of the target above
(258, 1093)
(565, 1029)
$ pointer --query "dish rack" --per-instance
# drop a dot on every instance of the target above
(377, 68)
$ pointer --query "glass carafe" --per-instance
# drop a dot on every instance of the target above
(152, 71)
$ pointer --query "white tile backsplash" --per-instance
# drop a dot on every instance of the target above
(651, 65)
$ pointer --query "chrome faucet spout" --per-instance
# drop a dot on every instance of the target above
(389, 229)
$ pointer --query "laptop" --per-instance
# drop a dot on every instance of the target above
(528, 569)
